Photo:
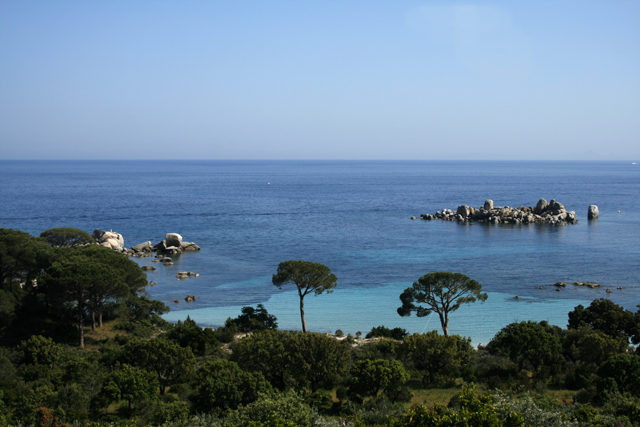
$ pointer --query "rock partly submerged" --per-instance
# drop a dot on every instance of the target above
(109, 239)
(172, 244)
(552, 212)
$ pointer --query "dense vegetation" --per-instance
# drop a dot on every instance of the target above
(130, 367)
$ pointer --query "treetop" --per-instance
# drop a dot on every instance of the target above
(307, 276)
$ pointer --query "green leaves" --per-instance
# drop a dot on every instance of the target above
(606, 316)
(72, 282)
(129, 383)
(532, 345)
(292, 359)
(167, 359)
(22, 256)
(439, 358)
(40, 350)
(370, 377)
(308, 277)
(475, 411)
(221, 386)
(442, 293)
(253, 319)
(65, 236)
(623, 372)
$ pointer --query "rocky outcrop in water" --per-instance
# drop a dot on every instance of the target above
(545, 212)
(593, 212)
(143, 247)
(110, 239)
(173, 244)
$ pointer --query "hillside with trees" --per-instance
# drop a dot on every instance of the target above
(80, 344)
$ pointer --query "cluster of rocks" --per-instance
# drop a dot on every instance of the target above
(165, 260)
(172, 244)
(587, 284)
(188, 298)
(185, 275)
(544, 213)
(560, 285)
(109, 239)
(592, 285)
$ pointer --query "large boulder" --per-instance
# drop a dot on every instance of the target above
(189, 246)
(464, 211)
(113, 239)
(114, 244)
(173, 239)
(593, 212)
(97, 234)
(556, 207)
(481, 215)
(143, 247)
(541, 206)
(488, 205)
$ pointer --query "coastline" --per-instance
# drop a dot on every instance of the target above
(353, 310)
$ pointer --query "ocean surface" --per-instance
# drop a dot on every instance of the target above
(354, 217)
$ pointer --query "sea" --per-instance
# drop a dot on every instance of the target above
(355, 218)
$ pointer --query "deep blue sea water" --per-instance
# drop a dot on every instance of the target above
(352, 216)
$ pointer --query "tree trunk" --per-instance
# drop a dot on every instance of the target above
(304, 323)
(93, 321)
(81, 328)
(444, 321)
(100, 320)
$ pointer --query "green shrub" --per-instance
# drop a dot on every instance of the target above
(273, 409)
(382, 331)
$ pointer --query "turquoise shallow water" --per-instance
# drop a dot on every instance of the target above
(353, 217)
(353, 310)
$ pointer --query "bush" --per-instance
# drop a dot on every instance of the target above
(64, 236)
(189, 334)
(221, 386)
(384, 332)
(275, 407)
(439, 358)
(169, 408)
(253, 319)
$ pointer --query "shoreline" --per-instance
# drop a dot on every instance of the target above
(478, 321)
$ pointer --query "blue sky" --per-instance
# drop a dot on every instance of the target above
(543, 80)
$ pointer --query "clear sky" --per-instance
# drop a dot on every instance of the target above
(556, 80)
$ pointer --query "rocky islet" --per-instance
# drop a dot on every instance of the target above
(544, 212)
(172, 244)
